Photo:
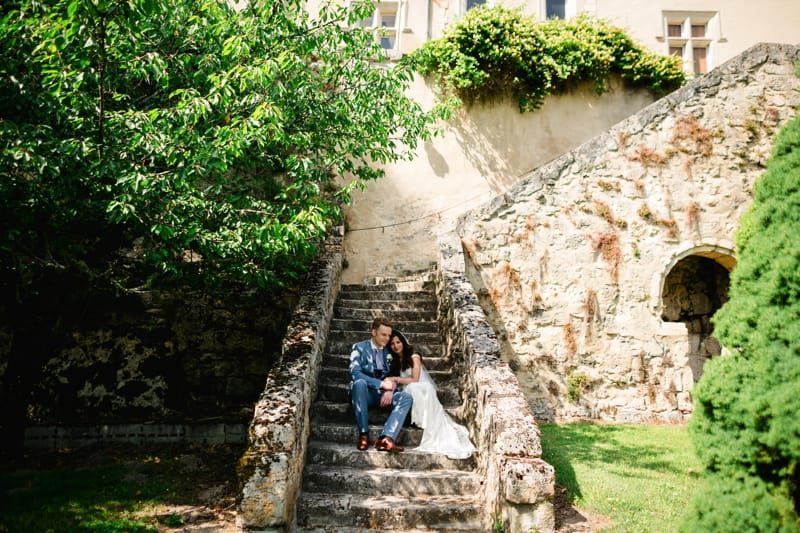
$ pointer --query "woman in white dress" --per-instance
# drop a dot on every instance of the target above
(441, 433)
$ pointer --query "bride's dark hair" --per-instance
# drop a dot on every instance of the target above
(405, 357)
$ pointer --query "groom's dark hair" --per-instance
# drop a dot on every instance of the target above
(379, 321)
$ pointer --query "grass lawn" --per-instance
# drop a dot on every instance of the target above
(640, 477)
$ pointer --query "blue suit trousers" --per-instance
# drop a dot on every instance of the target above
(363, 397)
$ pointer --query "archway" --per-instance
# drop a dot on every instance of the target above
(693, 290)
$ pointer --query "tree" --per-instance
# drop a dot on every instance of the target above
(746, 428)
(203, 140)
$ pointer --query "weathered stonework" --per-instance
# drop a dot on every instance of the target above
(518, 486)
(574, 263)
(82, 361)
(271, 469)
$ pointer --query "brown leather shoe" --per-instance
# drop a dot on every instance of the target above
(386, 444)
(363, 442)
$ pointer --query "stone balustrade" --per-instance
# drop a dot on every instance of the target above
(271, 468)
(519, 486)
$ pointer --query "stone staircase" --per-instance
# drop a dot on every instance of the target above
(347, 490)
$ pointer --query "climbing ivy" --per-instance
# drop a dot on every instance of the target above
(494, 51)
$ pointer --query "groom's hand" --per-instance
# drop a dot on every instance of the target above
(386, 398)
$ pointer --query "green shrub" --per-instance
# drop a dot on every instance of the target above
(495, 51)
(746, 428)
(577, 384)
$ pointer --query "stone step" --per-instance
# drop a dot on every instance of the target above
(320, 478)
(342, 342)
(383, 294)
(387, 513)
(394, 285)
(341, 374)
(405, 304)
(397, 316)
(340, 412)
(409, 328)
(342, 360)
(338, 392)
(347, 456)
(346, 433)
(461, 528)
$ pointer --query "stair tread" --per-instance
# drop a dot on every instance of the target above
(462, 528)
(382, 501)
(442, 473)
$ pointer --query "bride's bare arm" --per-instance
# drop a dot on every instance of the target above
(416, 361)
(415, 369)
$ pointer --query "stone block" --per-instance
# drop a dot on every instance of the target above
(265, 497)
(539, 518)
(527, 481)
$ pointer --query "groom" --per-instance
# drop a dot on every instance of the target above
(369, 367)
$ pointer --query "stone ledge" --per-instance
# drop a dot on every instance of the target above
(56, 437)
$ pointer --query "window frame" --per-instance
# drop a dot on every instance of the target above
(385, 9)
(570, 9)
(688, 42)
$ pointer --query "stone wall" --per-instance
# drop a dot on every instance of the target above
(90, 357)
(271, 468)
(574, 263)
(518, 485)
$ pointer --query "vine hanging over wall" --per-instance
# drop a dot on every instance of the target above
(494, 50)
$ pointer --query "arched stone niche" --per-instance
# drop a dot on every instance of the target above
(692, 287)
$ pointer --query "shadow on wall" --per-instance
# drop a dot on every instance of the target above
(437, 161)
(536, 386)
(504, 144)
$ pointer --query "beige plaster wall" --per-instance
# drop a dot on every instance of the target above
(568, 304)
(392, 226)
(740, 25)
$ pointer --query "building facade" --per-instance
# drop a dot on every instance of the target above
(705, 33)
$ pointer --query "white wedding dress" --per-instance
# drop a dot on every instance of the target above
(441, 433)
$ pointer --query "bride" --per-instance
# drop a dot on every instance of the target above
(441, 433)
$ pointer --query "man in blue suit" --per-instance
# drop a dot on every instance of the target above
(370, 364)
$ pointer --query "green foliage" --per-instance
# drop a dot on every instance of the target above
(207, 141)
(745, 428)
(494, 51)
(577, 384)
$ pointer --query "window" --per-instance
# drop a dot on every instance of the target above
(698, 30)
(473, 3)
(699, 59)
(556, 8)
(387, 23)
(688, 36)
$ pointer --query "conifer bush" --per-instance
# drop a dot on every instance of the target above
(746, 425)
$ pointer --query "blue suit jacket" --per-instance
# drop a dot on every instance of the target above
(363, 367)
